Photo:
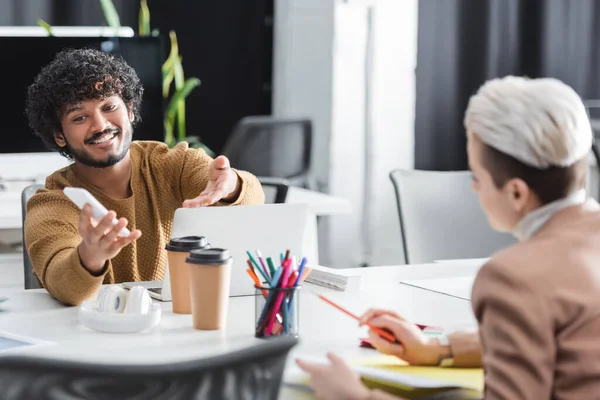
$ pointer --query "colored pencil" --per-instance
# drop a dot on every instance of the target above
(285, 276)
(271, 265)
(262, 262)
(253, 261)
(381, 332)
(269, 300)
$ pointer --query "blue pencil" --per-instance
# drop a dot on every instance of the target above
(291, 299)
(270, 297)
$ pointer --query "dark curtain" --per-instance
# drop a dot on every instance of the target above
(463, 43)
(227, 44)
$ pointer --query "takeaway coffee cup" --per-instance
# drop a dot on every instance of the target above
(178, 250)
(210, 281)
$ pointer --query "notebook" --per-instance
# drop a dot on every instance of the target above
(334, 279)
(392, 375)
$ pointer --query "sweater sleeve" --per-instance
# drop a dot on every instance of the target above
(51, 239)
(466, 348)
(517, 334)
(194, 178)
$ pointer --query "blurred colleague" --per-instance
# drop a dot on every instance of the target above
(537, 303)
(84, 105)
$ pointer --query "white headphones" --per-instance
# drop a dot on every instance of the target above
(117, 310)
(115, 299)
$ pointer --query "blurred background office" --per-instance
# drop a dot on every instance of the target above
(375, 86)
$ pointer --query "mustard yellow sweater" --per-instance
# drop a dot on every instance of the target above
(161, 180)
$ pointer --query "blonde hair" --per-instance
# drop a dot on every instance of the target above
(540, 122)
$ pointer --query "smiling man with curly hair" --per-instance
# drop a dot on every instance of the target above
(85, 104)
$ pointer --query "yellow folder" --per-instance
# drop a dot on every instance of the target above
(395, 376)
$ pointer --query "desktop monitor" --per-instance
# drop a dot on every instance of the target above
(25, 56)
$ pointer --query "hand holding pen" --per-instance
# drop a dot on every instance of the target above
(417, 348)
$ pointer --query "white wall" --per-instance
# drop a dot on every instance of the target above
(319, 71)
(347, 152)
(395, 61)
(302, 70)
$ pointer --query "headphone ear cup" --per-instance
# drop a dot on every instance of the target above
(138, 301)
(112, 299)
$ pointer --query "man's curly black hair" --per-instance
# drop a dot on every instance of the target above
(74, 76)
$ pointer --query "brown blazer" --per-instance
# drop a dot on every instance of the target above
(538, 308)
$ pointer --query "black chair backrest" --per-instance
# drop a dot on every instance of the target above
(251, 373)
(279, 186)
(272, 147)
(31, 281)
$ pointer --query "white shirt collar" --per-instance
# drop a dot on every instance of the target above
(532, 222)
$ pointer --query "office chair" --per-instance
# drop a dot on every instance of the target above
(440, 217)
(31, 281)
(595, 124)
(276, 189)
(273, 147)
(251, 373)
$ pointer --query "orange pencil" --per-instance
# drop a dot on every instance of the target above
(381, 332)
(256, 281)
(307, 270)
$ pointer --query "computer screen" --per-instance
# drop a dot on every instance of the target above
(24, 57)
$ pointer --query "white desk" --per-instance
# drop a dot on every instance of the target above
(457, 282)
(322, 328)
(475, 263)
(459, 286)
(10, 210)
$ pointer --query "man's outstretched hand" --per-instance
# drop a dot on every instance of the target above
(223, 184)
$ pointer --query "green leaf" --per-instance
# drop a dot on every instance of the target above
(173, 54)
(179, 82)
(181, 94)
(181, 119)
(167, 79)
(46, 26)
(179, 78)
(169, 137)
(110, 13)
(144, 19)
(168, 67)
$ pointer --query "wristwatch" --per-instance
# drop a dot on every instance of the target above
(447, 361)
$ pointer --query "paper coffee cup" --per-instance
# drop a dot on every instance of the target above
(210, 281)
(178, 249)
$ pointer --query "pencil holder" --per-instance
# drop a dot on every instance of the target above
(277, 311)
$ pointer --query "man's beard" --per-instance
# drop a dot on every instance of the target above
(82, 156)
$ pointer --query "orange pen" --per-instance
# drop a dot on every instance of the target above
(256, 281)
(381, 332)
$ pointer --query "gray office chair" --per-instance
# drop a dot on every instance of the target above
(273, 147)
(440, 217)
(276, 189)
(31, 281)
(251, 373)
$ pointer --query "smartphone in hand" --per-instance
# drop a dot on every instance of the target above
(81, 197)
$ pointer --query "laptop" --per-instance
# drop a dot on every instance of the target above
(270, 228)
